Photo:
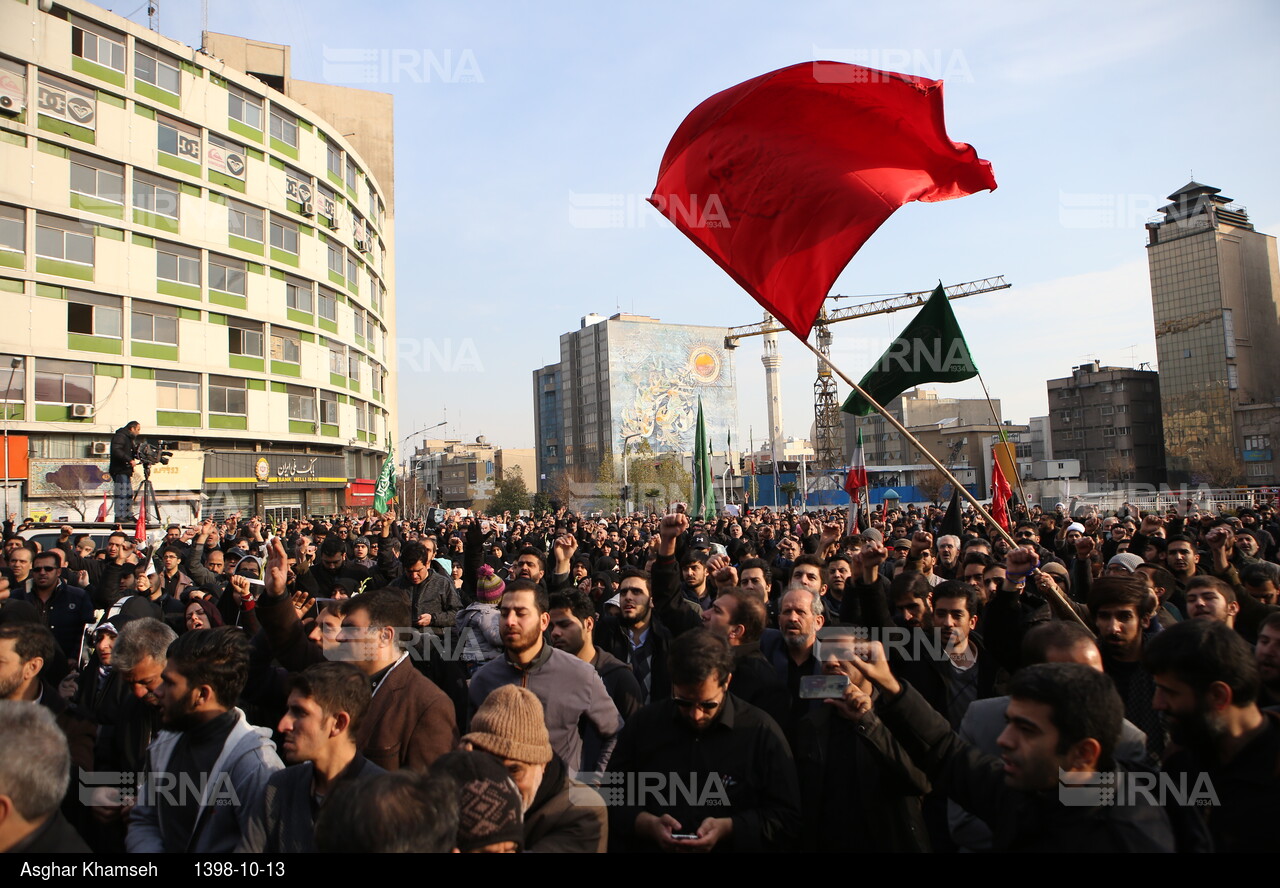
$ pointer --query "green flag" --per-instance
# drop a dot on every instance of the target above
(386, 489)
(930, 349)
(704, 492)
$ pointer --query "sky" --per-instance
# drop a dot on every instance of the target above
(514, 120)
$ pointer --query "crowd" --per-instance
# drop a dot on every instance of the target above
(763, 682)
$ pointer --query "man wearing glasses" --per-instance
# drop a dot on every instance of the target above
(717, 772)
(66, 610)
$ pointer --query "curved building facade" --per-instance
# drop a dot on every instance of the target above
(188, 245)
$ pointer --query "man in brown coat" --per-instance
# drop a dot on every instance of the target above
(410, 721)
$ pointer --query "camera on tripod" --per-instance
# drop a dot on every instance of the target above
(152, 454)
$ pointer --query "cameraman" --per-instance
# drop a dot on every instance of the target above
(123, 450)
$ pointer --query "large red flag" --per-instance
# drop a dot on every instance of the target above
(781, 179)
(1000, 493)
(102, 509)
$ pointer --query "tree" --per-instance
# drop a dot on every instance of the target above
(932, 484)
(607, 482)
(562, 491)
(510, 493)
(789, 489)
(674, 479)
(540, 503)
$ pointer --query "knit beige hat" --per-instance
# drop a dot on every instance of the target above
(510, 724)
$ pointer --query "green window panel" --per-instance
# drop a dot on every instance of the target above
(182, 291)
(64, 269)
(53, 125)
(155, 93)
(177, 418)
(244, 362)
(100, 344)
(93, 69)
(154, 350)
(218, 421)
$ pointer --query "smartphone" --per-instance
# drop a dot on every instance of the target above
(823, 687)
(683, 837)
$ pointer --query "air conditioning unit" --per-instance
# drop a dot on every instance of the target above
(362, 244)
(101, 448)
(333, 222)
(308, 208)
(82, 411)
(12, 104)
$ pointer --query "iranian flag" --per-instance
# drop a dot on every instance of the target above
(854, 484)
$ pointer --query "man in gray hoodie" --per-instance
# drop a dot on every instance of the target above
(209, 763)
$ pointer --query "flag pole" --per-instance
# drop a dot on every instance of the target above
(1054, 593)
(1000, 431)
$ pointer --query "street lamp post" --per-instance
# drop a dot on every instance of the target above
(404, 460)
(626, 462)
(14, 364)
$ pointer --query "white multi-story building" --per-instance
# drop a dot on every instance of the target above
(185, 243)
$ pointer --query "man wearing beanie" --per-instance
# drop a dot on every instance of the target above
(560, 814)
(570, 690)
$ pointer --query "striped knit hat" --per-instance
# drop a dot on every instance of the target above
(489, 587)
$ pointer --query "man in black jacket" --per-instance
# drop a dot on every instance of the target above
(123, 444)
(327, 702)
(745, 795)
(1063, 722)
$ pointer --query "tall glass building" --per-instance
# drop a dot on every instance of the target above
(1214, 283)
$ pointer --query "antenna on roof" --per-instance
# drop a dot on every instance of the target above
(204, 26)
(153, 15)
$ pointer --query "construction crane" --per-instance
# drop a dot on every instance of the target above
(828, 428)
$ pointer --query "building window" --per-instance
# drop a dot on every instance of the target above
(177, 139)
(153, 194)
(328, 305)
(334, 161)
(178, 264)
(335, 258)
(244, 107)
(297, 294)
(245, 338)
(1119, 386)
(1259, 469)
(98, 46)
(154, 323)
(1108, 433)
(94, 178)
(1124, 430)
(284, 127)
(62, 240)
(1106, 410)
(63, 382)
(353, 270)
(226, 274)
(284, 235)
(335, 360)
(302, 404)
(328, 408)
(154, 67)
(373, 204)
(353, 365)
(178, 391)
(1122, 408)
(227, 396)
(358, 318)
(13, 229)
(244, 221)
(15, 389)
(1257, 442)
(286, 347)
(351, 173)
(93, 315)
(362, 416)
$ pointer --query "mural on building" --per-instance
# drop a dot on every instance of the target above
(657, 372)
